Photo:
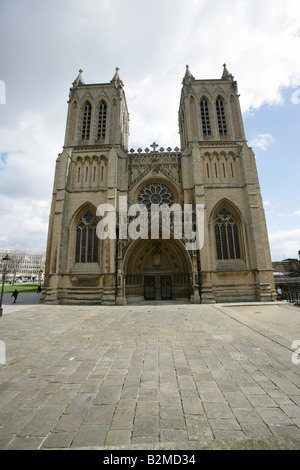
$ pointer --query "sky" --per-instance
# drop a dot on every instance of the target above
(43, 44)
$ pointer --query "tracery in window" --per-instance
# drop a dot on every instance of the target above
(227, 236)
(205, 117)
(86, 121)
(86, 250)
(155, 193)
(102, 120)
(221, 116)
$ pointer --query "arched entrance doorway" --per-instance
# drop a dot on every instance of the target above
(157, 270)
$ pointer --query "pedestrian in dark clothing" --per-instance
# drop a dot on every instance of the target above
(15, 295)
(39, 290)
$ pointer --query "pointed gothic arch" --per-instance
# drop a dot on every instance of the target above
(102, 120)
(221, 116)
(86, 120)
(205, 116)
(227, 226)
(157, 269)
(159, 177)
(84, 243)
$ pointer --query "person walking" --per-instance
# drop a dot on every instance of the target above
(15, 295)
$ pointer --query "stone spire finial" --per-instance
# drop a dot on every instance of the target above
(226, 75)
(78, 80)
(116, 78)
(187, 79)
(188, 76)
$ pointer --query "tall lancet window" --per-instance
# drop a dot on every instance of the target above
(86, 250)
(227, 235)
(102, 120)
(221, 116)
(86, 121)
(205, 117)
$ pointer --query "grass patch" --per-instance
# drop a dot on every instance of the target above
(22, 287)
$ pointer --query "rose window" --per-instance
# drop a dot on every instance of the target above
(155, 193)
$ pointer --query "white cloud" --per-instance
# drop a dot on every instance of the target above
(26, 181)
(262, 141)
(289, 214)
(24, 224)
(27, 168)
(153, 113)
(284, 244)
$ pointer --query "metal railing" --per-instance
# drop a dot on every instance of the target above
(291, 296)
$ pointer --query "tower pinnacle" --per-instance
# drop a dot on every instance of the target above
(78, 80)
(116, 78)
(226, 75)
(188, 76)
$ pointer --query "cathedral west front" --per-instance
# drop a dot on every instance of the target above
(214, 171)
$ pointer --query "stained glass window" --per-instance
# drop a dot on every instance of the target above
(205, 117)
(86, 250)
(227, 236)
(221, 116)
(155, 193)
(102, 120)
(86, 121)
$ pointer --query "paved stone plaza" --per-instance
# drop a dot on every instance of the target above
(149, 376)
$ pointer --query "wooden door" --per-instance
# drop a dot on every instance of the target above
(149, 287)
(166, 287)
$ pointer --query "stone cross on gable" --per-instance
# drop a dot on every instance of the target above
(154, 145)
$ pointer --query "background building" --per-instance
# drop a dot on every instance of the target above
(215, 168)
(24, 266)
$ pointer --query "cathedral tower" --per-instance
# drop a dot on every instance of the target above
(91, 170)
(219, 171)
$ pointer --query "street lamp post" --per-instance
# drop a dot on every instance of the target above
(4, 271)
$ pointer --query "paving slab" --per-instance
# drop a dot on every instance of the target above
(151, 375)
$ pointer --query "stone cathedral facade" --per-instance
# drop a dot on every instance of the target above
(214, 168)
